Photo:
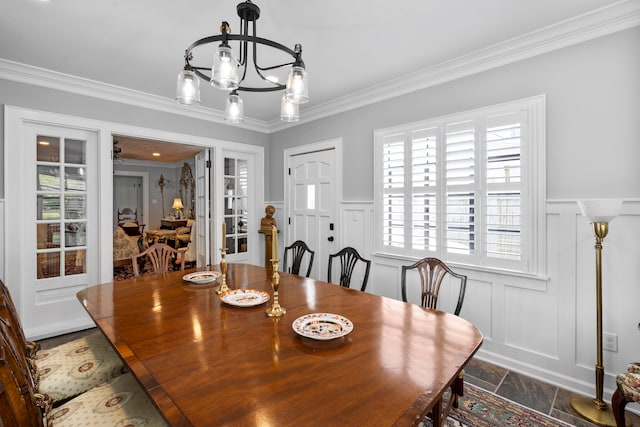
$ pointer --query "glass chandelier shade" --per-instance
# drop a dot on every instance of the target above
(297, 85)
(289, 111)
(234, 110)
(224, 72)
(188, 88)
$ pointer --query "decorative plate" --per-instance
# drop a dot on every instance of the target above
(322, 326)
(200, 277)
(245, 297)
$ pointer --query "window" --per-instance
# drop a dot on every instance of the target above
(464, 188)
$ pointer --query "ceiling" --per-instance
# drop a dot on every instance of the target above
(349, 47)
(143, 149)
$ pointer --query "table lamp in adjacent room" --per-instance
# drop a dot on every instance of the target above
(600, 213)
(177, 205)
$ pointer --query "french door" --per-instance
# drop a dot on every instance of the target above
(56, 215)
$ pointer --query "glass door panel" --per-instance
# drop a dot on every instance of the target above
(61, 220)
(236, 204)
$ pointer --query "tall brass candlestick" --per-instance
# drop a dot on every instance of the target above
(275, 310)
(223, 262)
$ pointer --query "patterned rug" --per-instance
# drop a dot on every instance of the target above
(479, 408)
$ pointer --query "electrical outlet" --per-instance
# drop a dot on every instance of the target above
(610, 342)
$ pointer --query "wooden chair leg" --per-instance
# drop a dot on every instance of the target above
(618, 403)
(457, 389)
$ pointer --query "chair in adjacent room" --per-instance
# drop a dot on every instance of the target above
(349, 259)
(298, 251)
(128, 220)
(161, 257)
(628, 391)
(432, 272)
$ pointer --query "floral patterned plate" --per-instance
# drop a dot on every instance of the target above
(322, 326)
(245, 297)
(201, 277)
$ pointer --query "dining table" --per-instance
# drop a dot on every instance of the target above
(209, 359)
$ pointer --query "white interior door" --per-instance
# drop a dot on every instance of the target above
(202, 214)
(127, 193)
(312, 205)
(59, 212)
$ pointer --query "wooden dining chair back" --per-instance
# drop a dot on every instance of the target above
(161, 257)
(349, 259)
(18, 405)
(298, 251)
(432, 272)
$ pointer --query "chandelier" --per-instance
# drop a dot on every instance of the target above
(228, 72)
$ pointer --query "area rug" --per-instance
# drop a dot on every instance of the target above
(480, 408)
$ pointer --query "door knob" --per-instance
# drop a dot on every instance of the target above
(330, 238)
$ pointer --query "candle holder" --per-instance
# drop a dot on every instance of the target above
(275, 310)
(223, 269)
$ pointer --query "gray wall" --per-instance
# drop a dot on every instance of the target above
(593, 119)
(44, 99)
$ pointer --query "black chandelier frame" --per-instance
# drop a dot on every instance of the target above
(248, 12)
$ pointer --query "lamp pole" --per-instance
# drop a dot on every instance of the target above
(596, 409)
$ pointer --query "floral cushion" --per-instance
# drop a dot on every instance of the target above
(629, 383)
(118, 402)
(77, 366)
(124, 246)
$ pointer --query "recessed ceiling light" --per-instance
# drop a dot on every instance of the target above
(156, 154)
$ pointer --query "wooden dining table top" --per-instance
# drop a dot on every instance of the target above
(206, 363)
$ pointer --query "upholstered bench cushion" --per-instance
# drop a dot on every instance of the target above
(629, 383)
(77, 366)
(119, 402)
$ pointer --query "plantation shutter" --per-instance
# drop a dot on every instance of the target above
(460, 188)
(393, 183)
(424, 189)
(503, 181)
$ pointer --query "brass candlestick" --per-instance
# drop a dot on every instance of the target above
(223, 269)
(275, 310)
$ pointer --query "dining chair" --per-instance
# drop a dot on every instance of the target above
(627, 390)
(349, 258)
(63, 371)
(298, 250)
(161, 256)
(432, 272)
(21, 404)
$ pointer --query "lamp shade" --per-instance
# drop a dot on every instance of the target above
(600, 210)
(224, 72)
(234, 111)
(297, 89)
(177, 203)
(289, 111)
(188, 88)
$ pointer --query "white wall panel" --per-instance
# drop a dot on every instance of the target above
(541, 326)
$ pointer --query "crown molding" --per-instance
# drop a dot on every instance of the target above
(607, 20)
(598, 23)
(23, 73)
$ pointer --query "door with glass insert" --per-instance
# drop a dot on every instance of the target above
(60, 252)
(236, 207)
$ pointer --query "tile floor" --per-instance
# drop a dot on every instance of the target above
(527, 391)
(530, 392)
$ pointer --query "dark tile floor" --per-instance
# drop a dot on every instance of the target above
(527, 391)
(530, 392)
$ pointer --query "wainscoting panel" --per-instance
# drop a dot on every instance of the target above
(541, 326)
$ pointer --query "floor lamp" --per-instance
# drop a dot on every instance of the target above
(600, 213)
